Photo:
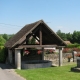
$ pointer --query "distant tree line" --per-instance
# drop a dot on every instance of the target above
(72, 37)
(4, 38)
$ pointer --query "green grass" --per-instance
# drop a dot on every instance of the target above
(51, 73)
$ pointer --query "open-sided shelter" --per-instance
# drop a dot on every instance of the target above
(45, 36)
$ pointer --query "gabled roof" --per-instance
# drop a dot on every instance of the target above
(17, 38)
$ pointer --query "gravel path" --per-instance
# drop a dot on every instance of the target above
(8, 73)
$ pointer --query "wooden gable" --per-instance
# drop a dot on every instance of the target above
(40, 31)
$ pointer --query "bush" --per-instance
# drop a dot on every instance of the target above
(67, 50)
(73, 45)
(2, 41)
(2, 54)
(78, 47)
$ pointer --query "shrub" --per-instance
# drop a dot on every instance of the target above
(2, 54)
(49, 51)
(67, 50)
(77, 55)
(2, 41)
(76, 49)
(73, 45)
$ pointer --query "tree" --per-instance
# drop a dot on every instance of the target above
(5, 36)
(62, 35)
(76, 37)
(10, 36)
(59, 32)
(69, 37)
(2, 41)
(33, 40)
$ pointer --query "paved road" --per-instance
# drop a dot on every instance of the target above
(7, 73)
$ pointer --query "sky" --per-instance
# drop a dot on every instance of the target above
(61, 15)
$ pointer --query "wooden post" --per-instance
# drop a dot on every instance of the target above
(60, 56)
(40, 35)
(17, 59)
(42, 53)
(10, 56)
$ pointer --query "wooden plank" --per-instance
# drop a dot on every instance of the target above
(35, 46)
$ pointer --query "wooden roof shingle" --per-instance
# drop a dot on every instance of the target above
(21, 33)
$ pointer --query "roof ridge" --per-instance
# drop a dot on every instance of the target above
(34, 22)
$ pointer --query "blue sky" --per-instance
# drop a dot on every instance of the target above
(58, 14)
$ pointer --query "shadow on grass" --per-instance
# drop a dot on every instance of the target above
(75, 70)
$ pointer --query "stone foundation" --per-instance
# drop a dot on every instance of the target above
(36, 64)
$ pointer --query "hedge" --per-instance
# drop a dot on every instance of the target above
(73, 46)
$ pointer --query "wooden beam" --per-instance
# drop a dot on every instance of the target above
(36, 38)
(40, 35)
(27, 37)
(35, 46)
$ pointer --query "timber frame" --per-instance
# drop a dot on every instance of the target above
(45, 36)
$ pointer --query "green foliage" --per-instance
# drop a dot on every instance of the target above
(31, 41)
(78, 46)
(5, 36)
(10, 36)
(69, 36)
(2, 54)
(76, 36)
(62, 35)
(73, 38)
(73, 45)
(2, 41)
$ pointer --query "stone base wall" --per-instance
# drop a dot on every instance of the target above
(36, 64)
(55, 58)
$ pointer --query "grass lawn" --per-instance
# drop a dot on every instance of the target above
(51, 73)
